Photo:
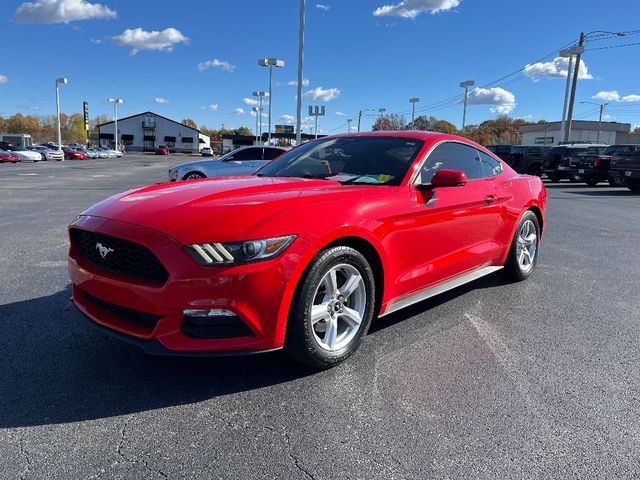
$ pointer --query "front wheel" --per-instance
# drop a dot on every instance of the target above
(634, 187)
(193, 176)
(332, 308)
(523, 254)
(554, 177)
(592, 182)
(616, 182)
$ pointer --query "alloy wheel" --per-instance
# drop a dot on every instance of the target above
(527, 246)
(338, 307)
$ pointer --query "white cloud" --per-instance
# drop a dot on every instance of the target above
(238, 111)
(255, 114)
(502, 100)
(320, 93)
(3, 79)
(324, 8)
(161, 101)
(252, 102)
(556, 68)
(211, 108)
(293, 83)
(288, 118)
(631, 98)
(413, 8)
(340, 114)
(60, 11)
(97, 41)
(140, 39)
(215, 63)
(611, 96)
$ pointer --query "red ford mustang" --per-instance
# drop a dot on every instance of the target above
(304, 254)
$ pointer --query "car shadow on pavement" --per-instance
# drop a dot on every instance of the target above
(607, 193)
(56, 368)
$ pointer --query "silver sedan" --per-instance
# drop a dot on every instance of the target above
(243, 161)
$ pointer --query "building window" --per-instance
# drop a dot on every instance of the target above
(127, 139)
(170, 141)
(187, 139)
(106, 136)
(543, 140)
(149, 138)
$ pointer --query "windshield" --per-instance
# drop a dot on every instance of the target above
(356, 160)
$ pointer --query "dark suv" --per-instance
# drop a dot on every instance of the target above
(556, 162)
(503, 151)
(625, 168)
(527, 159)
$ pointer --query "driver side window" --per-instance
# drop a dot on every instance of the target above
(452, 156)
(247, 154)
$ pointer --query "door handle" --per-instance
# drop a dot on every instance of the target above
(489, 199)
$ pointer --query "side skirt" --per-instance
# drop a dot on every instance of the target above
(455, 282)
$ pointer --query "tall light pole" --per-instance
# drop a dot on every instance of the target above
(270, 62)
(257, 111)
(260, 96)
(466, 84)
(116, 102)
(576, 71)
(601, 105)
(381, 111)
(64, 81)
(413, 102)
(300, 78)
(349, 124)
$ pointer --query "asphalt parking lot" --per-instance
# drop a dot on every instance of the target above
(493, 380)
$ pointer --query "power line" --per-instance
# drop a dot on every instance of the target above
(613, 46)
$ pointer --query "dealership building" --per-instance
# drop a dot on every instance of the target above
(610, 133)
(148, 130)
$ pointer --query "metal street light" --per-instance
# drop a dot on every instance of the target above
(317, 111)
(413, 102)
(300, 78)
(260, 96)
(115, 102)
(466, 85)
(601, 105)
(63, 81)
(257, 111)
(382, 110)
(270, 62)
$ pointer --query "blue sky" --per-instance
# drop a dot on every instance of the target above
(359, 54)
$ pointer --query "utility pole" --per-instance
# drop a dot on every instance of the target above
(580, 51)
(601, 105)
(359, 118)
(300, 79)
(568, 53)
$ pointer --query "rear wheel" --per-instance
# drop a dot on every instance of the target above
(592, 182)
(616, 182)
(523, 254)
(535, 169)
(193, 176)
(554, 177)
(634, 187)
(332, 308)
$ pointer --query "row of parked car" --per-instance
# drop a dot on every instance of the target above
(50, 151)
(577, 162)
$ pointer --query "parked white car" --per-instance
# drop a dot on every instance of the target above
(25, 155)
(207, 152)
(49, 153)
(243, 161)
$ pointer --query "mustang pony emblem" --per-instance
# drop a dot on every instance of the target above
(103, 251)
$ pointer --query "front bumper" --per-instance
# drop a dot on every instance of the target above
(257, 294)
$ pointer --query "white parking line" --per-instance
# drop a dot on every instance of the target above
(28, 174)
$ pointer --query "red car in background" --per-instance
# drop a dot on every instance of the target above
(162, 150)
(305, 253)
(8, 157)
(70, 154)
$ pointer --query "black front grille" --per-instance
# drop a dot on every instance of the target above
(141, 319)
(215, 327)
(118, 256)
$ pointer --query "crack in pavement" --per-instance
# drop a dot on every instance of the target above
(135, 461)
(25, 454)
(295, 459)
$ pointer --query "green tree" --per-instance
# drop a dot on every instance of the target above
(390, 122)
(189, 123)
(244, 131)
(443, 126)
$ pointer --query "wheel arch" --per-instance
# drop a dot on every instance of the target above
(535, 209)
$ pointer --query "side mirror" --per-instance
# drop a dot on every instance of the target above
(448, 178)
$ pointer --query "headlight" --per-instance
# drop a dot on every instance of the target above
(238, 253)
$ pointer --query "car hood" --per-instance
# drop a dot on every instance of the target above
(232, 208)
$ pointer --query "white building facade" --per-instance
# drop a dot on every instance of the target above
(609, 133)
(148, 130)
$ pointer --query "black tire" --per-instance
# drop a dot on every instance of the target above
(193, 176)
(512, 270)
(301, 342)
(634, 187)
(554, 177)
(535, 169)
(592, 182)
(616, 182)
